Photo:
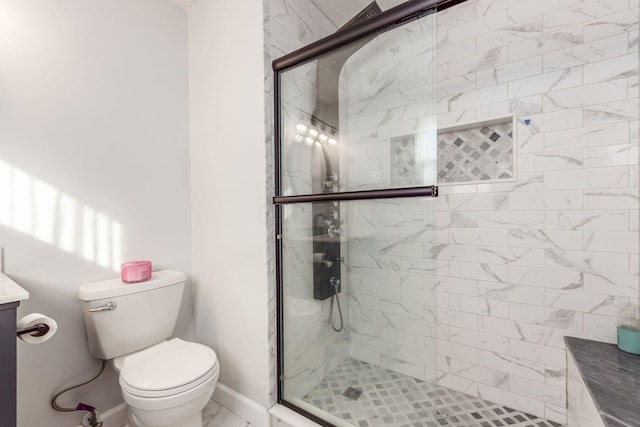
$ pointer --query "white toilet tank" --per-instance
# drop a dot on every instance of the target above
(144, 314)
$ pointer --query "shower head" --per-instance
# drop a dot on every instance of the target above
(330, 65)
(368, 12)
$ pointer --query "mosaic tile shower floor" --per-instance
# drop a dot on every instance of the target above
(367, 395)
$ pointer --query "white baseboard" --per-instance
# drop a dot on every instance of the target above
(114, 417)
(241, 405)
(290, 417)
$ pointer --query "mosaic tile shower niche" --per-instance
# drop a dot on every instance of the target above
(468, 153)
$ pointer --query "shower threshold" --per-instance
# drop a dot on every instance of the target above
(365, 395)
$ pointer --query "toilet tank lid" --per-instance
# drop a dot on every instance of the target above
(116, 287)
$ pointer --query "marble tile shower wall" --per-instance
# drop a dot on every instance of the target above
(389, 98)
(272, 341)
(520, 263)
(312, 349)
(294, 24)
(570, 253)
(389, 93)
(556, 252)
(392, 310)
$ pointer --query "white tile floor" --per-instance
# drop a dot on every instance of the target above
(370, 396)
(215, 415)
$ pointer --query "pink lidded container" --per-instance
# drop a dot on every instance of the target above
(136, 271)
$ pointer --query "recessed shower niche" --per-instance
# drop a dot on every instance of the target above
(468, 153)
(477, 152)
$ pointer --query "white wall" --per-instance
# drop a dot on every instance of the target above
(228, 190)
(94, 120)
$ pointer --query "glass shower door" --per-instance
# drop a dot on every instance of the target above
(356, 235)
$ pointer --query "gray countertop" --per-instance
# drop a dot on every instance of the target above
(10, 291)
(612, 377)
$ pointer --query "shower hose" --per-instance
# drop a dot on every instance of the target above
(336, 298)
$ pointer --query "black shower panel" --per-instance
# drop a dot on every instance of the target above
(326, 250)
(326, 179)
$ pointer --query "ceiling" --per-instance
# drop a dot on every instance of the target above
(338, 11)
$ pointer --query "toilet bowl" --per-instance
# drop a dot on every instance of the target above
(167, 384)
(183, 410)
(163, 382)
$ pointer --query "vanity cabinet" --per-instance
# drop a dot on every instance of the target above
(8, 363)
(10, 296)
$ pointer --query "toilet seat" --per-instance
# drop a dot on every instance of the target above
(137, 403)
(168, 368)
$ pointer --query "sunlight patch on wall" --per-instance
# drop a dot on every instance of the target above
(35, 208)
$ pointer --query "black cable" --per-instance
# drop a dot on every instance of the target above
(54, 404)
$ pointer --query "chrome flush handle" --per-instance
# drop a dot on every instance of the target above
(107, 307)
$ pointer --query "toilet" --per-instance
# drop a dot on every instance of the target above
(164, 382)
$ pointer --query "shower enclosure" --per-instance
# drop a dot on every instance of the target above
(456, 189)
(356, 157)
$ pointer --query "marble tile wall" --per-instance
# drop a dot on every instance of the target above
(294, 24)
(555, 253)
(312, 349)
(392, 316)
(272, 340)
(278, 423)
(519, 264)
(298, 90)
(581, 409)
(387, 96)
(387, 108)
